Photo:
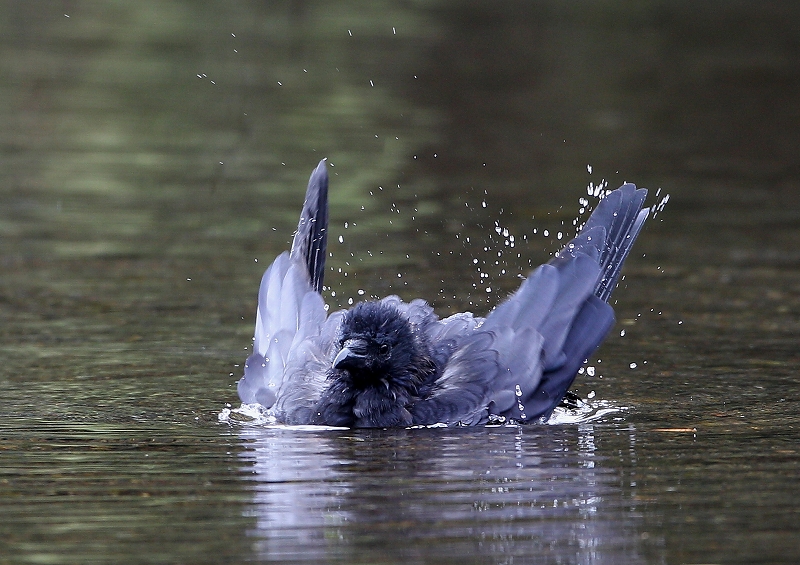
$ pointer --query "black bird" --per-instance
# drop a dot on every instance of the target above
(392, 363)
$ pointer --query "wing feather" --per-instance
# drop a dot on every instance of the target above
(291, 312)
(299, 317)
(311, 239)
(589, 328)
(530, 303)
(576, 278)
(305, 374)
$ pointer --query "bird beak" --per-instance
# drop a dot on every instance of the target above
(352, 355)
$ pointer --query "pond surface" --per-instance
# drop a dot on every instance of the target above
(154, 158)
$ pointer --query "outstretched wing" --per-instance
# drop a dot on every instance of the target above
(607, 237)
(521, 360)
(290, 309)
(499, 366)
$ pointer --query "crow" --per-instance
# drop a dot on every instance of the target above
(390, 363)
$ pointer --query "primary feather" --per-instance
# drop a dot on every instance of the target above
(391, 363)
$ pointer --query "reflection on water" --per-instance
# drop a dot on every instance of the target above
(417, 496)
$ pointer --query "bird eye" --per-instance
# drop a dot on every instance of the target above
(384, 349)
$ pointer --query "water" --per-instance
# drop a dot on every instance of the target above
(140, 203)
(522, 493)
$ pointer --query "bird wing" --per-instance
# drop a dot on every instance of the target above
(304, 377)
(607, 237)
(621, 214)
(519, 362)
(498, 366)
(291, 313)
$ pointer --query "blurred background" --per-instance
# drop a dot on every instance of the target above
(153, 160)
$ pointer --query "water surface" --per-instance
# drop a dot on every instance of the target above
(154, 157)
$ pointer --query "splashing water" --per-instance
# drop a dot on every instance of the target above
(586, 411)
(256, 416)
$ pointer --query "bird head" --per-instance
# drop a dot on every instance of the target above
(379, 345)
